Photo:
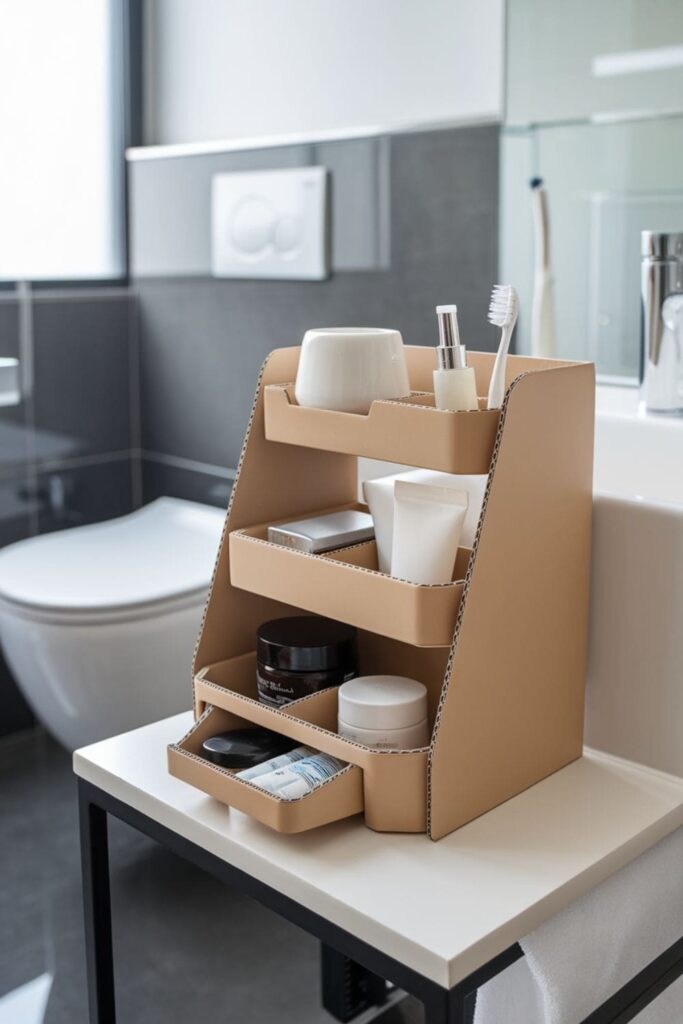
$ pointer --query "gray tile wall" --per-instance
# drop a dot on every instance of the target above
(144, 393)
(434, 204)
(65, 451)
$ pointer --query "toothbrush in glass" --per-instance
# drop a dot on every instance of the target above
(543, 304)
(502, 313)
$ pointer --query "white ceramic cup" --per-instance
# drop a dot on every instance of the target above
(347, 368)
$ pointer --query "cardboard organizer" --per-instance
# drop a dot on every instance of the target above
(501, 649)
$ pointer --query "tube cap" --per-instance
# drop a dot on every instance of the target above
(382, 702)
(307, 643)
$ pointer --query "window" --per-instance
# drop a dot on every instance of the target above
(61, 140)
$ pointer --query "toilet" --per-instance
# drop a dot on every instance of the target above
(98, 623)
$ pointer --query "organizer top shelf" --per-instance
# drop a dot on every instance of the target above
(411, 431)
(408, 431)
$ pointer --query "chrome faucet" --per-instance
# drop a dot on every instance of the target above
(662, 325)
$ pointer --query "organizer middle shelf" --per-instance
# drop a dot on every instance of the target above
(411, 431)
(346, 585)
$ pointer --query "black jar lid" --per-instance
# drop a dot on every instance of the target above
(243, 748)
(307, 643)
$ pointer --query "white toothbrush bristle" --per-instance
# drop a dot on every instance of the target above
(503, 305)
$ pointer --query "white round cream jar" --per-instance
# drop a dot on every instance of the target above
(388, 712)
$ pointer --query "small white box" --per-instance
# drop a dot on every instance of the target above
(270, 224)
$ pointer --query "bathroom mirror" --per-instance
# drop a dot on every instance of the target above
(593, 107)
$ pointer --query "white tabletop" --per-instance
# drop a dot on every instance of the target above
(443, 908)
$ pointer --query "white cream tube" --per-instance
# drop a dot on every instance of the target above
(301, 777)
(379, 496)
(427, 526)
(281, 761)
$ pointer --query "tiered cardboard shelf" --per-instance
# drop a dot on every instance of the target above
(501, 649)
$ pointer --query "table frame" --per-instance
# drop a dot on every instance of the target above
(441, 1005)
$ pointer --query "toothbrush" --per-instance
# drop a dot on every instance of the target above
(543, 304)
(502, 313)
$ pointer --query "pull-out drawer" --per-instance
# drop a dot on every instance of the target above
(338, 797)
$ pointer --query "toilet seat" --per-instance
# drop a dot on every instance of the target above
(155, 560)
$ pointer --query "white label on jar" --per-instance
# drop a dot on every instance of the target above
(274, 693)
(411, 737)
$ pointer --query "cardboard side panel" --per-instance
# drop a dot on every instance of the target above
(512, 705)
(273, 482)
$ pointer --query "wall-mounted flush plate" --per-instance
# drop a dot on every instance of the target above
(270, 224)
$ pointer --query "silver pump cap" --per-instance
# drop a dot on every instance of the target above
(661, 245)
(449, 351)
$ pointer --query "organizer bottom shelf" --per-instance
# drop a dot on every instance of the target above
(389, 786)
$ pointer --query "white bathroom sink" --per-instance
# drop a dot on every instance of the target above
(637, 455)
(635, 677)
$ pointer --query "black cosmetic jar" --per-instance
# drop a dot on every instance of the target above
(301, 655)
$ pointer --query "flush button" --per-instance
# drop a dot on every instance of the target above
(253, 225)
(270, 224)
(288, 234)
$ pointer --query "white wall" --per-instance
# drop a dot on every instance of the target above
(229, 69)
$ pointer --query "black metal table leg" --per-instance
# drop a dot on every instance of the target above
(456, 1005)
(438, 1008)
(97, 908)
(348, 989)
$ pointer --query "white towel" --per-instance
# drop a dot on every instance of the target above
(583, 955)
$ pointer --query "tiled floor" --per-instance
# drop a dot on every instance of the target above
(187, 948)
